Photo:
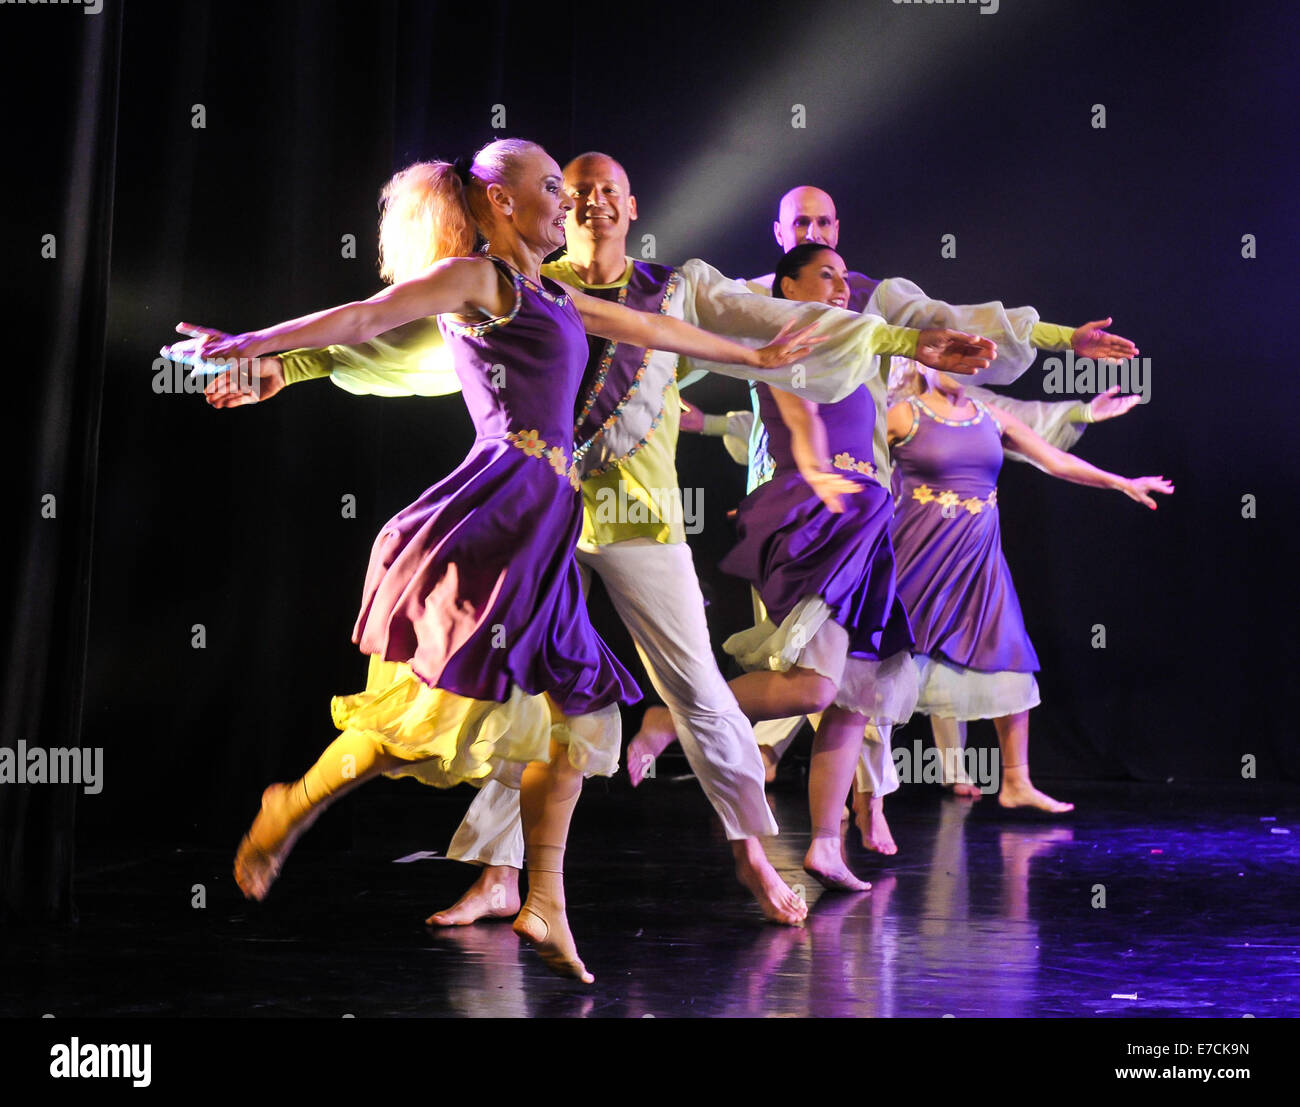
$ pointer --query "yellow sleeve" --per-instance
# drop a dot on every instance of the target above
(305, 365)
(410, 360)
(1050, 336)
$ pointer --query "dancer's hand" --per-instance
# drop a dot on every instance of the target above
(829, 486)
(788, 346)
(220, 344)
(246, 382)
(1091, 341)
(954, 351)
(1139, 489)
(1110, 404)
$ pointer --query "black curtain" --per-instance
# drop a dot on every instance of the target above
(65, 137)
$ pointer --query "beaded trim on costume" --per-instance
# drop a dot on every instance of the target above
(532, 443)
(670, 286)
(602, 370)
(581, 451)
(852, 464)
(916, 424)
(980, 412)
(924, 494)
(559, 301)
(478, 330)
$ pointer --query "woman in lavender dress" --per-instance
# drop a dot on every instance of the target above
(974, 656)
(482, 659)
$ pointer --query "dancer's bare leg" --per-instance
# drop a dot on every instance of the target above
(873, 828)
(547, 798)
(873, 777)
(776, 899)
(780, 695)
(1017, 789)
(289, 809)
(950, 741)
(494, 895)
(762, 695)
(834, 759)
(799, 691)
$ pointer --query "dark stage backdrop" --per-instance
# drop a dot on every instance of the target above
(226, 150)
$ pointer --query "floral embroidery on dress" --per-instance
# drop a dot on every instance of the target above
(924, 494)
(852, 464)
(534, 445)
(530, 441)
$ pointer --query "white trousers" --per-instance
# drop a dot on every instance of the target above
(657, 595)
(876, 774)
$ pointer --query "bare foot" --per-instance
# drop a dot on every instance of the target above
(494, 895)
(656, 735)
(278, 825)
(965, 791)
(770, 763)
(1016, 793)
(870, 818)
(546, 926)
(824, 862)
(775, 898)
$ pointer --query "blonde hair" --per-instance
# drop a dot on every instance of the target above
(427, 213)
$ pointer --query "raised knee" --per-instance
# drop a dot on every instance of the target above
(816, 693)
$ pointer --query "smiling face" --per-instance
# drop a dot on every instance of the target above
(603, 204)
(533, 202)
(824, 279)
(806, 214)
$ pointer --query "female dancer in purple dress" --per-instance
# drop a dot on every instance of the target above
(482, 660)
(975, 659)
(814, 542)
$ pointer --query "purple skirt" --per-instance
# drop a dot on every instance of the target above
(791, 547)
(475, 586)
(958, 591)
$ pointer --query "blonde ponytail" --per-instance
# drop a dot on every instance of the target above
(424, 218)
(428, 214)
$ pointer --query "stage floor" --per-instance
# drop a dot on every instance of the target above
(980, 914)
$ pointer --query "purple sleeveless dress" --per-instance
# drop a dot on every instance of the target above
(975, 655)
(473, 589)
(793, 550)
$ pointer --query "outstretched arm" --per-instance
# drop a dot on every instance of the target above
(1068, 467)
(662, 332)
(464, 286)
(1060, 423)
(834, 369)
(1017, 331)
(410, 360)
